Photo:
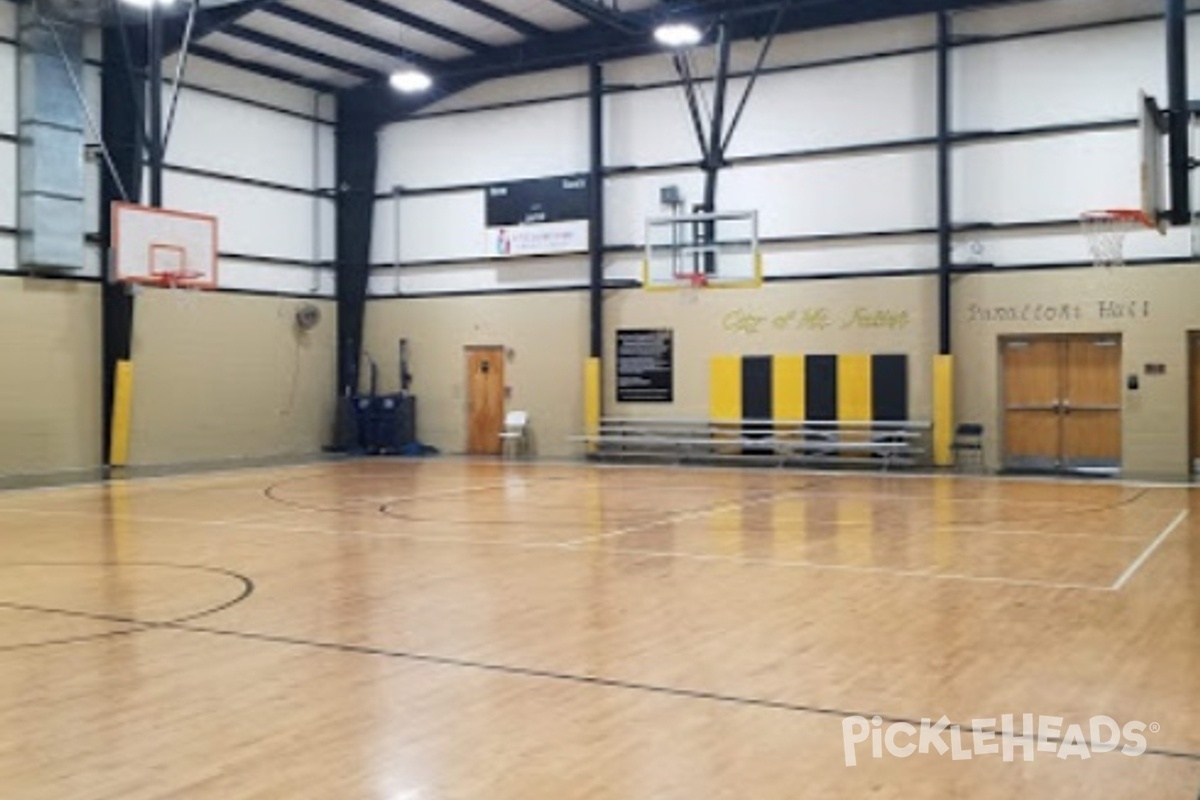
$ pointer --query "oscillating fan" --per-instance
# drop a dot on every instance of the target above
(308, 316)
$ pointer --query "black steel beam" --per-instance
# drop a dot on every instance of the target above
(356, 158)
(122, 89)
(352, 35)
(211, 20)
(603, 15)
(299, 51)
(154, 75)
(945, 226)
(715, 158)
(511, 21)
(388, 11)
(266, 70)
(596, 224)
(1178, 114)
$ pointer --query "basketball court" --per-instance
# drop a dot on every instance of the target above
(607, 400)
(455, 627)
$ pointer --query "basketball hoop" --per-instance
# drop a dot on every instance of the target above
(181, 284)
(1105, 230)
(691, 284)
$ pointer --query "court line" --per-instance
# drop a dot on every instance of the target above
(673, 519)
(600, 681)
(187, 627)
(1149, 551)
(909, 475)
(583, 544)
(858, 568)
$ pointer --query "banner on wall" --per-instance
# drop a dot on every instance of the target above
(538, 217)
(645, 366)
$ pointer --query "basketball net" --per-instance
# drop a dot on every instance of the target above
(1105, 231)
(692, 284)
(179, 285)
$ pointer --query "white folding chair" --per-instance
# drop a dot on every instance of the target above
(515, 435)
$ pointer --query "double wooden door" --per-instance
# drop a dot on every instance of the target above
(1062, 403)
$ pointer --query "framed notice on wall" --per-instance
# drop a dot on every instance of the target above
(645, 366)
(538, 217)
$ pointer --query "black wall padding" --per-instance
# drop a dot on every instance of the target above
(820, 388)
(756, 396)
(889, 388)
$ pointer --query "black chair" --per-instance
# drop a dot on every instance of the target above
(968, 439)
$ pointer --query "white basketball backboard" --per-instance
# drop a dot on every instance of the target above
(164, 246)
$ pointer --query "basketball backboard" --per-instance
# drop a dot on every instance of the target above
(1152, 132)
(164, 247)
(714, 250)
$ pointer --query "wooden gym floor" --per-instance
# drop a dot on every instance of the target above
(471, 629)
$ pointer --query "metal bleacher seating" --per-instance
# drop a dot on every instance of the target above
(867, 443)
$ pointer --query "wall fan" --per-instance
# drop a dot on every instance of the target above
(308, 316)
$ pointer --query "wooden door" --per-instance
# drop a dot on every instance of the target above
(485, 399)
(1091, 408)
(1032, 370)
(1195, 402)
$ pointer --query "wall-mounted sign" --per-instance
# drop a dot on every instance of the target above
(1066, 311)
(645, 366)
(816, 318)
(537, 217)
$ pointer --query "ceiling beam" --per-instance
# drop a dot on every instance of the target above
(511, 21)
(221, 57)
(602, 14)
(299, 51)
(354, 36)
(389, 11)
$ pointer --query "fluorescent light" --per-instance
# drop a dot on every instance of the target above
(678, 34)
(410, 81)
(147, 3)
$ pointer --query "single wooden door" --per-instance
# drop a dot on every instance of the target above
(1091, 408)
(485, 399)
(1031, 402)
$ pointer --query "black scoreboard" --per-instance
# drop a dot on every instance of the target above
(534, 202)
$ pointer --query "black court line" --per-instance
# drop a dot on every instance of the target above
(139, 625)
(92, 637)
(609, 683)
(184, 625)
(271, 492)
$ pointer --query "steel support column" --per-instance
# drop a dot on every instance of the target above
(356, 159)
(596, 223)
(122, 127)
(1179, 114)
(154, 57)
(944, 156)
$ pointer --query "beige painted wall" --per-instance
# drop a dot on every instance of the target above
(881, 315)
(546, 332)
(49, 376)
(1151, 307)
(222, 376)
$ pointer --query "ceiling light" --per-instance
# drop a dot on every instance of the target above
(410, 81)
(147, 3)
(678, 34)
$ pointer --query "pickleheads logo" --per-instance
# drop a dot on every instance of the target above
(1026, 736)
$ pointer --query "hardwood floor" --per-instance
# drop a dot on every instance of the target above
(412, 630)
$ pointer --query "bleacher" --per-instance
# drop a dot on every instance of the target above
(882, 444)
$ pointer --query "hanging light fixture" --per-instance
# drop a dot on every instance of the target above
(410, 81)
(678, 34)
